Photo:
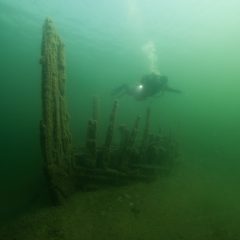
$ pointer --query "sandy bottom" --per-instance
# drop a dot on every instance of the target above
(192, 203)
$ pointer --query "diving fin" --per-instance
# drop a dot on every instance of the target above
(169, 89)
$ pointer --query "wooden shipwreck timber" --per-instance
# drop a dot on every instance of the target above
(69, 168)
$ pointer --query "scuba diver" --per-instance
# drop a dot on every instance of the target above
(150, 85)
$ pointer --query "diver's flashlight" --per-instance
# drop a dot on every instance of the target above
(139, 87)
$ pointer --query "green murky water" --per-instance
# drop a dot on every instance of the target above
(194, 43)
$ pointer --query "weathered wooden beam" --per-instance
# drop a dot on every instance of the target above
(109, 136)
(56, 140)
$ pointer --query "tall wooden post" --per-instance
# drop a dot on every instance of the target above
(56, 138)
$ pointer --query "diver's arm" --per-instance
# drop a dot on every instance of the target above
(120, 90)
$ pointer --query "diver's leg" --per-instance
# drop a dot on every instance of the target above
(169, 89)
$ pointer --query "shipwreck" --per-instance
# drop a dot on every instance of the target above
(139, 155)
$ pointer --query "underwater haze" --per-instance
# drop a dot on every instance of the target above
(111, 42)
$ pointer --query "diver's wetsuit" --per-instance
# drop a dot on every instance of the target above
(150, 85)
